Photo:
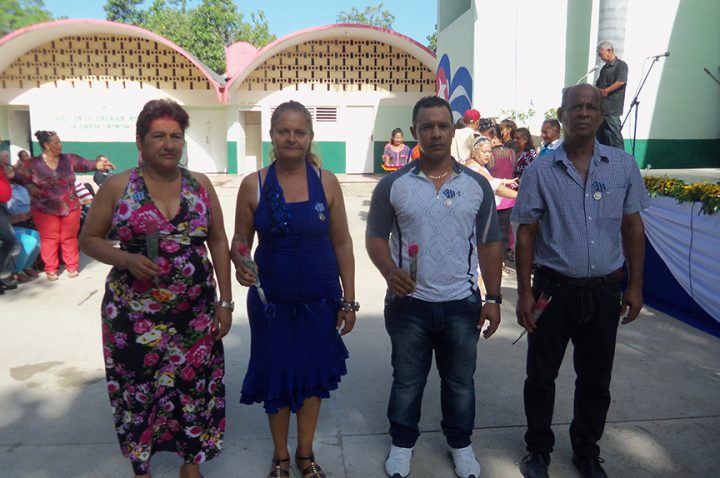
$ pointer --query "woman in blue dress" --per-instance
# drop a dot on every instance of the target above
(303, 294)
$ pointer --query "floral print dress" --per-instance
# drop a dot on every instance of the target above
(165, 373)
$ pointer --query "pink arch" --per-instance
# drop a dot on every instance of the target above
(102, 26)
(308, 33)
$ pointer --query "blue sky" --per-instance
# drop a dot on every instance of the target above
(414, 18)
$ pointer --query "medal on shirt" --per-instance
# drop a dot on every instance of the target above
(320, 208)
(449, 195)
(599, 188)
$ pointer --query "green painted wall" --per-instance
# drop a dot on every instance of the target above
(659, 153)
(123, 155)
(577, 39)
(232, 157)
(676, 153)
(332, 154)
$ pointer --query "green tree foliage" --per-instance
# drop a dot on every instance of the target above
(124, 11)
(204, 30)
(372, 15)
(551, 114)
(432, 40)
(16, 14)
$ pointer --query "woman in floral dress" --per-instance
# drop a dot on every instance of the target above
(162, 324)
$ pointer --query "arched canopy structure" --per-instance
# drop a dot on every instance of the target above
(342, 57)
(97, 50)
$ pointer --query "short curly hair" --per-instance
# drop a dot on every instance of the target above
(156, 109)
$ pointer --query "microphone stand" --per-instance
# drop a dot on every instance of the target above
(586, 75)
(636, 105)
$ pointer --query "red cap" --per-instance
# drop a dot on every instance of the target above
(471, 116)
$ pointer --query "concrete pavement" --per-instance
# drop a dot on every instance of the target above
(55, 417)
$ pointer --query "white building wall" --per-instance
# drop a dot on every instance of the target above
(515, 51)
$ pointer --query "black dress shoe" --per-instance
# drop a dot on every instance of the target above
(8, 284)
(589, 466)
(535, 465)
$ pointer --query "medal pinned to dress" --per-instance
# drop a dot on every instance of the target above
(320, 208)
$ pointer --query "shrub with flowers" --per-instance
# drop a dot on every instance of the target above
(707, 194)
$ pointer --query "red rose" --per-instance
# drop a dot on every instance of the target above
(413, 250)
(243, 249)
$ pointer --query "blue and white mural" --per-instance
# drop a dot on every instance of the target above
(455, 88)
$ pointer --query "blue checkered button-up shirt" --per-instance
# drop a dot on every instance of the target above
(579, 224)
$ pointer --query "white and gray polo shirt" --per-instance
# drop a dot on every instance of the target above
(447, 225)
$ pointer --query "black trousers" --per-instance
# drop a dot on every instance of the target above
(609, 133)
(7, 239)
(504, 223)
(589, 318)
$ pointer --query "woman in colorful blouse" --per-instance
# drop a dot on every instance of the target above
(396, 153)
(50, 178)
(527, 153)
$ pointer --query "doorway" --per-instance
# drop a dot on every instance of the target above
(19, 132)
(253, 158)
(359, 146)
(206, 141)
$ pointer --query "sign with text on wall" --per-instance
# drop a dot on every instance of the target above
(85, 123)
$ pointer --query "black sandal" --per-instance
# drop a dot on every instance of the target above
(278, 472)
(313, 471)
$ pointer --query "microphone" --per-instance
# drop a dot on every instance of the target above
(587, 74)
(667, 53)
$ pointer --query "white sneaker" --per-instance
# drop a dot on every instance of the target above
(397, 464)
(466, 465)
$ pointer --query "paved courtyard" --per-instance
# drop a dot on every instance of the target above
(55, 419)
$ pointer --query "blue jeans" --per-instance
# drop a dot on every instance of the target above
(416, 329)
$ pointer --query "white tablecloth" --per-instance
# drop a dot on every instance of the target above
(689, 243)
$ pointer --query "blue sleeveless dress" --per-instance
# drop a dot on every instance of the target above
(295, 351)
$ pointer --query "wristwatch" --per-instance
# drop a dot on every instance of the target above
(493, 299)
(226, 305)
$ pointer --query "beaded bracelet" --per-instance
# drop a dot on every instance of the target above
(349, 305)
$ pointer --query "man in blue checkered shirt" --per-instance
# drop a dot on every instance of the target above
(579, 214)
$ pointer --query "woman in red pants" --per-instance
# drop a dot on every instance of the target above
(55, 208)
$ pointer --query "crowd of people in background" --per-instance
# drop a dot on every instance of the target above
(42, 209)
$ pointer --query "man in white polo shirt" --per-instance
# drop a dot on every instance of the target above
(444, 213)
(463, 139)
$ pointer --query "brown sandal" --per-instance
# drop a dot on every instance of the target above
(312, 471)
(278, 472)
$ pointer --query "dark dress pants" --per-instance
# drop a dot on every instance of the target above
(589, 318)
(609, 133)
(7, 239)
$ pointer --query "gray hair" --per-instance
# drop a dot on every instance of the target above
(605, 45)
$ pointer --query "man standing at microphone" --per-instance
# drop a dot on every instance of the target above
(611, 81)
